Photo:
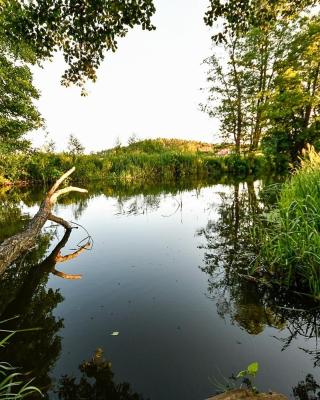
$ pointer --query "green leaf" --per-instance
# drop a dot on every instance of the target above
(253, 368)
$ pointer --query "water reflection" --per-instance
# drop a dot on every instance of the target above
(24, 294)
(307, 389)
(144, 281)
(12, 220)
(229, 254)
(96, 382)
(140, 204)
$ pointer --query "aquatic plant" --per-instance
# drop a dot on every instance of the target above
(243, 379)
(12, 383)
(290, 238)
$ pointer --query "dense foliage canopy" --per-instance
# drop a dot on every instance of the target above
(240, 16)
(82, 30)
(18, 113)
(263, 75)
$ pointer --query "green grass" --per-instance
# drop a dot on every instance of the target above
(13, 385)
(291, 241)
(146, 160)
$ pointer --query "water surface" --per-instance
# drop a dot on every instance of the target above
(162, 276)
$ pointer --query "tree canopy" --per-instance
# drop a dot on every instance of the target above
(238, 16)
(18, 113)
(82, 30)
(264, 74)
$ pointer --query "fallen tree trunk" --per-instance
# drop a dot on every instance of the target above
(16, 245)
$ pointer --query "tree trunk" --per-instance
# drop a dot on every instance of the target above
(16, 245)
(239, 118)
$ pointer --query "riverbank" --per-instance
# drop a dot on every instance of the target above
(141, 161)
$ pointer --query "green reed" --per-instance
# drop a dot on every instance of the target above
(13, 385)
(290, 239)
(142, 161)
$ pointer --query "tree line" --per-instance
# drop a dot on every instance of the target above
(264, 74)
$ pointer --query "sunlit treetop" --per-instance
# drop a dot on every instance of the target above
(237, 16)
(82, 29)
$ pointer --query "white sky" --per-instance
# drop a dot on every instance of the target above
(150, 86)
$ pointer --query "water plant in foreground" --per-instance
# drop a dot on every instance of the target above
(290, 239)
(13, 385)
(244, 378)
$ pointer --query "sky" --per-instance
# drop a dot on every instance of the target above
(149, 87)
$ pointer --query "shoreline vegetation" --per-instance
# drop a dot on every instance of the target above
(289, 234)
(263, 85)
(144, 160)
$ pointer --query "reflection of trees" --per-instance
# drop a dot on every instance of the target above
(229, 254)
(11, 218)
(34, 351)
(24, 293)
(140, 204)
(301, 316)
(307, 389)
(96, 383)
(227, 239)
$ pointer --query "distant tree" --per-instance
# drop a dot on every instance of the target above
(132, 138)
(82, 30)
(241, 77)
(49, 145)
(117, 143)
(74, 146)
(226, 99)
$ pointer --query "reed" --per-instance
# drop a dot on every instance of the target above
(13, 384)
(290, 239)
(142, 161)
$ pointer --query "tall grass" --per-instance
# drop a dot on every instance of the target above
(143, 161)
(13, 385)
(291, 241)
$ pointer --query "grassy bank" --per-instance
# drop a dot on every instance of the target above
(142, 161)
(291, 241)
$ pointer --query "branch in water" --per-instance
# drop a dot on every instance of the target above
(18, 244)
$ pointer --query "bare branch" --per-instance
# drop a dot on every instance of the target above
(59, 221)
(68, 257)
(66, 276)
(68, 189)
(60, 180)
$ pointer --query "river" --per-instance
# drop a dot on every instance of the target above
(161, 311)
